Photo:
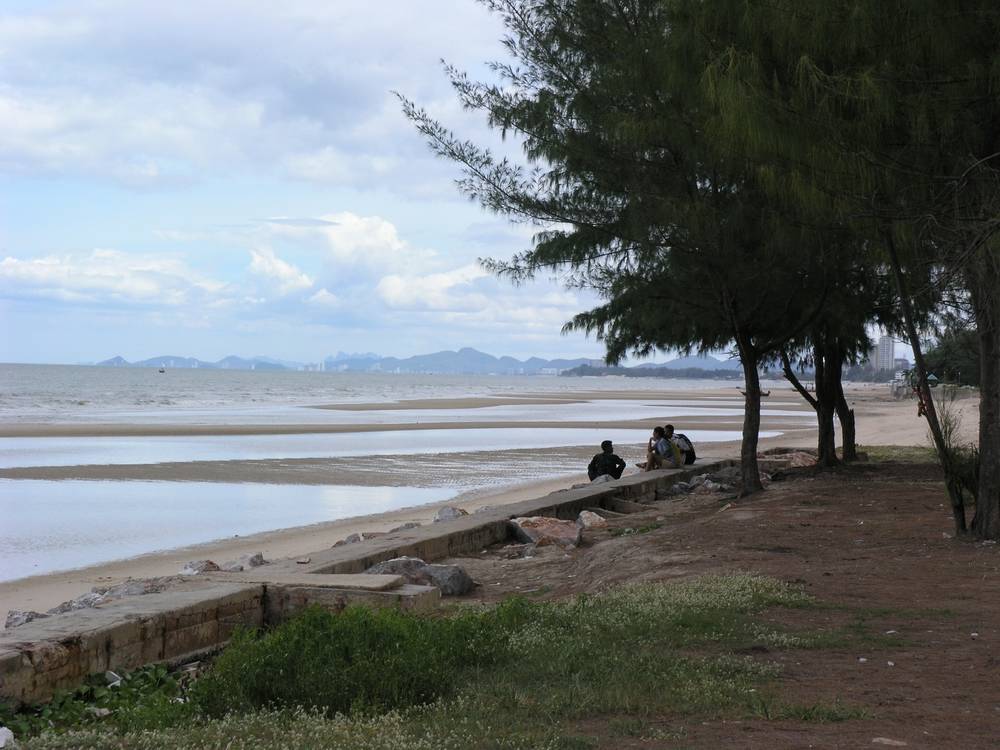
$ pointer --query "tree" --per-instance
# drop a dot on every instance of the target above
(634, 198)
(887, 112)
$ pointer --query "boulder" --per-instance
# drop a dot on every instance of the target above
(84, 601)
(349, 539)
(7, 739)
(590, 520)
(199, 566)
(132, 587)
(246, 562)
(449, 513)
(541, 530)
(451, 579)
(17, 617)
(800, 459)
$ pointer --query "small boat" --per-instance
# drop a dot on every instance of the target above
(162, 369)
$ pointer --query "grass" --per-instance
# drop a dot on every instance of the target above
(913, 454)
(519, 675)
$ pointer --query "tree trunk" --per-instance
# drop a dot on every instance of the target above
(826, 401)
(986, 303)
(955, 494)
(848, 434)
(749, 469)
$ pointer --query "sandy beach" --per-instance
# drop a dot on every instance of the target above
(504, 476)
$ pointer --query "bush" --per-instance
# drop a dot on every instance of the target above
(360, 660)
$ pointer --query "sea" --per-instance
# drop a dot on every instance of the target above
(49, 525)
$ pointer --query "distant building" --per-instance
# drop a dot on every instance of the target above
(885, 353)
(901, 363)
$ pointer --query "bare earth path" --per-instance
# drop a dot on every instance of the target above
(873, 545)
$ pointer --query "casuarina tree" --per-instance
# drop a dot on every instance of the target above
(631, 196)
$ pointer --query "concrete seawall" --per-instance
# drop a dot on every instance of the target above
(58, 652)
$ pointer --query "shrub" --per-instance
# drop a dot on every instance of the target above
(358, 660)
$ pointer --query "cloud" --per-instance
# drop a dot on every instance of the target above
(286, 221)
(107, 276)
(149, 94)
(436, 291)
(285, 277)
(351, 240)
(324, 299)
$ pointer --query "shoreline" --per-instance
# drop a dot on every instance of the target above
(40, 592)
(881, 421)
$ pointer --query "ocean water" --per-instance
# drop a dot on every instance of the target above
(53, 525)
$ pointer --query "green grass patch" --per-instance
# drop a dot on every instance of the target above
(765, 707)
(517, 675)
(912, 454)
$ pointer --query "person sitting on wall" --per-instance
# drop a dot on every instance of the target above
(605, 463)
(660, 452)
(682, 442)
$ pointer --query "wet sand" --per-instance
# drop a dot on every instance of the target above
(881, 421)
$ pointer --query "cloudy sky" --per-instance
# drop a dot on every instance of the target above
(235, 177)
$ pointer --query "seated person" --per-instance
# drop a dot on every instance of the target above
(605, 462)
(682, 442)
(661, 453)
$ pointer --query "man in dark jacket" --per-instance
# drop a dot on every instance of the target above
(605, 462)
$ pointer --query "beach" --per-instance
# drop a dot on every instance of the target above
(470, 451)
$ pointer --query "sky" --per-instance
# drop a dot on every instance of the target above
(236, 177)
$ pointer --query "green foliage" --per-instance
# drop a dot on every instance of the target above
(358, 660)
(147, 697)
(955, 357)
(507, 677)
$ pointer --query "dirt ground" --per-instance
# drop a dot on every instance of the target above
(873, 543)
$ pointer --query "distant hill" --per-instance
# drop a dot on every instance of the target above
(465, 361)
(656, 371)
(705, 362)
(190, 363)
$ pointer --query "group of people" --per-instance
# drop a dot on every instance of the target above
(666, 449)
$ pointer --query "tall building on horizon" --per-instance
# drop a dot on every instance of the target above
(885, 353)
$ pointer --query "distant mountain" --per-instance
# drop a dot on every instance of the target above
(190, 363)
(703, 363)
(465, 361)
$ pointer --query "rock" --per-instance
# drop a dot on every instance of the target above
(590, 520)
(98, 712)
(451, 579)
(449, 513)
(349, 539)
(199, 566)
(16, 617)
(365, 535)
(303, 561)
(405, 527)
(542, 530)
(7, 739)
(800, 459)
(680, 488)
(132, 587)
(246, 562)
(515, 551)
(84, 601)
(698, 481)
